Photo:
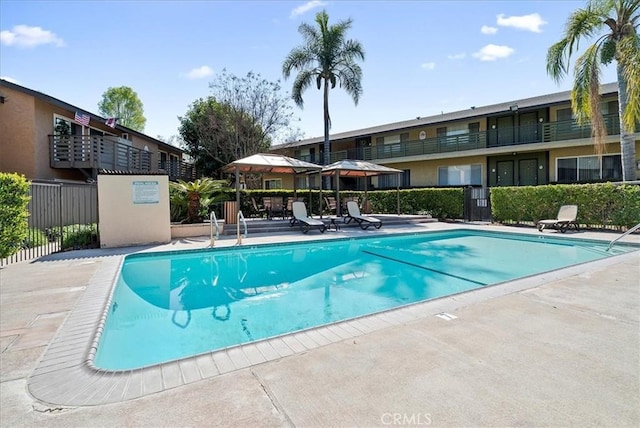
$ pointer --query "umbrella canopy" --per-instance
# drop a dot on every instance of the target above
(358, 168)
(269, 163)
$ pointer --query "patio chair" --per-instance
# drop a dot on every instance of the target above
(274, 206)
(566, 219)
(353, 213)
(259, 210)
(306, 222)
(331, 205)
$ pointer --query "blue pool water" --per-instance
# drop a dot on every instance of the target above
(172, 305)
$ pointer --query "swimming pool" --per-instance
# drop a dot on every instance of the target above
(171, 305)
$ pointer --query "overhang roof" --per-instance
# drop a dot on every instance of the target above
(494, 109)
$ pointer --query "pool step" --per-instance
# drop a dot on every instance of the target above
(278, 225)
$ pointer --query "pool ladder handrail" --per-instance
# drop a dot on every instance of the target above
(633, 229)
(238, 217)
(213, 221)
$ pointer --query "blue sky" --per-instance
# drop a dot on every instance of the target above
(422, 57)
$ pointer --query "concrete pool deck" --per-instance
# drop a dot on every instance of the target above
(561, 348)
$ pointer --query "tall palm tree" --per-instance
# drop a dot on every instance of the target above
(620, 42)
(327, 58)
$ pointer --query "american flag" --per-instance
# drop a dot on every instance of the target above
(82, 118)
(111, 122)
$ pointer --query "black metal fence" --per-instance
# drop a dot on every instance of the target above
(477, 205)
(61, 215)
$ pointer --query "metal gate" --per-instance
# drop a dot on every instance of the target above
(477, 205)
(56, 211)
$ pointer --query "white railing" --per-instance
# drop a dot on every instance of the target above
(633, 229)
(241, 216)
(213, 221)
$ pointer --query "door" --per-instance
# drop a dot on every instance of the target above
(528, 172)
(528, 128)
(505, 173)
(505, 130)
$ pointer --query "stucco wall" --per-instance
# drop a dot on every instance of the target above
(17, 119)
(130, 218)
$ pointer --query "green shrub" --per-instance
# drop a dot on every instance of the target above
(80, 236)
(599, 205)
(14, 198)
(35, 238)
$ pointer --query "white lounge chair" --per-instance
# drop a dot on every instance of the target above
(300, 215)
(566, 218)
(353, 213)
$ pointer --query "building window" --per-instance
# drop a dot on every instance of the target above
(302, 182)
(589, 168)
(274, 183)
(460, 175)
(390, 181)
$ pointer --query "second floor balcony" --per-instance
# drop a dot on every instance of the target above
(499, 137)
(112, 153)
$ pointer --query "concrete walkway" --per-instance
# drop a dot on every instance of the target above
(560, 349)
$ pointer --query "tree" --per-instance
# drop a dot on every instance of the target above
(620, 42)
(193, 192)
(242, 118)
(123, 103)
(326, 58)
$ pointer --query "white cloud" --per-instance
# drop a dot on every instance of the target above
(488, 30)
(457, 56)
(531, 22)
(428, 65)
(28, 37)
(492, 52)
(199, 72)
(301, 10)
(10, 79)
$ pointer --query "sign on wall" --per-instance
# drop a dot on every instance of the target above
(146, 192)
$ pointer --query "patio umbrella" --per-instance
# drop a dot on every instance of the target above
(270, 163)
(358, 168)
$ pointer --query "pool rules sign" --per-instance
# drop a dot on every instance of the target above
(146, 192)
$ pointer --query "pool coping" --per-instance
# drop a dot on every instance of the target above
(65, 374)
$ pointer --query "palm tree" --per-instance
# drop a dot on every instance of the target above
(621, 42)
(194, 193)
(326, 58)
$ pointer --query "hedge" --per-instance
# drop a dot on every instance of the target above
(442, 203)
(14, 198)
(599, 205)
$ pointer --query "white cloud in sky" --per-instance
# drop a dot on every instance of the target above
(488, 30)
(310, 5)
(199, 72)
(493, 52)
(428, 65)
(531, 22)
(28, 37)
(10, 79)
(457, 56)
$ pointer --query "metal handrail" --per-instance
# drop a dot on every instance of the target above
(633, 229)
(241, 216)
(213, 221)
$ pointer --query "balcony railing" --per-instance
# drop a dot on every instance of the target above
(500, 137)
(110, 153)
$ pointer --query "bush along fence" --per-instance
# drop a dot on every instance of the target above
(604, 205)
(57, 217)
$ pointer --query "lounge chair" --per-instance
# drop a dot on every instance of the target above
(300, 216)
(353, 213)
(566, 218)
